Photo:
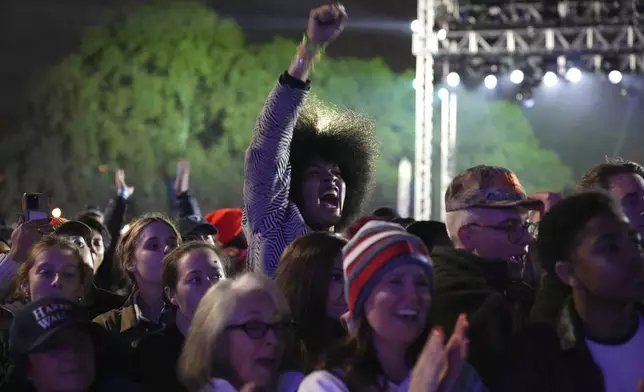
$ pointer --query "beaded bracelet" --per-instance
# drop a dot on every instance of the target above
(310, 49)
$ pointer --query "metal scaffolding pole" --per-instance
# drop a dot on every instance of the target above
(422, 49)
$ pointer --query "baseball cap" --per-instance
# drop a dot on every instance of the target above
(96, 225)
(487, 186)
(195, 225)
(36, 322)
(69, 227)
(228, 222)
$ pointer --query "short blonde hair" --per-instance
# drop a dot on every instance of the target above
(198, 361)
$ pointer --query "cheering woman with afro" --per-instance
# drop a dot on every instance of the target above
(308, 168)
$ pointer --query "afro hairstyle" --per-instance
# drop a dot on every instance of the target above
(345, 138)
(561, 228)
(599, 176)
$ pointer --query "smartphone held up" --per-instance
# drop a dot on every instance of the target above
(31, 207)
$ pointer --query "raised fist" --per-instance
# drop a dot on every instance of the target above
(326, 23)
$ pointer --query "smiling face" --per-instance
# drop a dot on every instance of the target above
(398, 307)
(323, 193)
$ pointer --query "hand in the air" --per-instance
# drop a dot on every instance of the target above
(119, 181)
(182, 182)
(326, 23)
(25, 236)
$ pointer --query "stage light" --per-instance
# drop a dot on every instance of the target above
(415, 26)
(490, 82)
(442, 93)
(56, 213)
(615, 77)
(528, 103)
(550, 79)
(573, 75)
(441, 34)
(516, 76)
(453, 79)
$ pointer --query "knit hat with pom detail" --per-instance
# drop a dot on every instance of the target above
(377, 248)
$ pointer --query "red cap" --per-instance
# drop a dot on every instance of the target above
(229, 223)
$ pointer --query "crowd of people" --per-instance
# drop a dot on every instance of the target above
(298, 292)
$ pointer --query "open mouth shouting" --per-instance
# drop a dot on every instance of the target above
(330, 199)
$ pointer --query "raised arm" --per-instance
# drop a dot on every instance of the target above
(267, 172)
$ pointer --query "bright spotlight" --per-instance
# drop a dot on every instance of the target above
(490, 82)
(442, 93)
(573, 75)
(615, 77)
(516, 76)
(550, 79)
(415, 26)
(415, 84)
(56, 213)
(441, 34)
(453, 79)
(528, 103)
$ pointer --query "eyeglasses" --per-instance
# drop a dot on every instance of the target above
(516, 230)
(258, 329)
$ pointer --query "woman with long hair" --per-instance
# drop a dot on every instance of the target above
(188, 273)
(388, 280)
(310, 277)
(141, 252)
(54, 267)
(239, 335)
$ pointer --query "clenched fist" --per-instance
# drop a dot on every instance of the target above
(326, 23)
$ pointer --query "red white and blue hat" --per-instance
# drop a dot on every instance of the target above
(379, 247)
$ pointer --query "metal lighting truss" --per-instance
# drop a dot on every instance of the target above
(530, 34)
(518, 33)
(424, 84)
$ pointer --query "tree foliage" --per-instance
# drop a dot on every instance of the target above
(498, 133)
(175, 80)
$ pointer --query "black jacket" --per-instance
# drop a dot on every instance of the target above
(553, 359)
(496, 306)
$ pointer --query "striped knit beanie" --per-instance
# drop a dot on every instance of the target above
(379, 247)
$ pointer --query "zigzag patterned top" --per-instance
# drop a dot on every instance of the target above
(271, 220)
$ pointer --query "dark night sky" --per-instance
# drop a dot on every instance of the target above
(36, 33)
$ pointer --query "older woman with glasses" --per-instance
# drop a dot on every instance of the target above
(240, 335)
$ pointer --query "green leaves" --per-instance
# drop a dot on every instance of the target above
(174, 80)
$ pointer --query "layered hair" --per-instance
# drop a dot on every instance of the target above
(19, 289)
(357, 360)
(127, 243)
(344, 138)
(171, 261)
(205, 352)
(303, 276)
(599, 176)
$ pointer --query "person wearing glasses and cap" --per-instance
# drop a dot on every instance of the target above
(57, 348)
(486, 210)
